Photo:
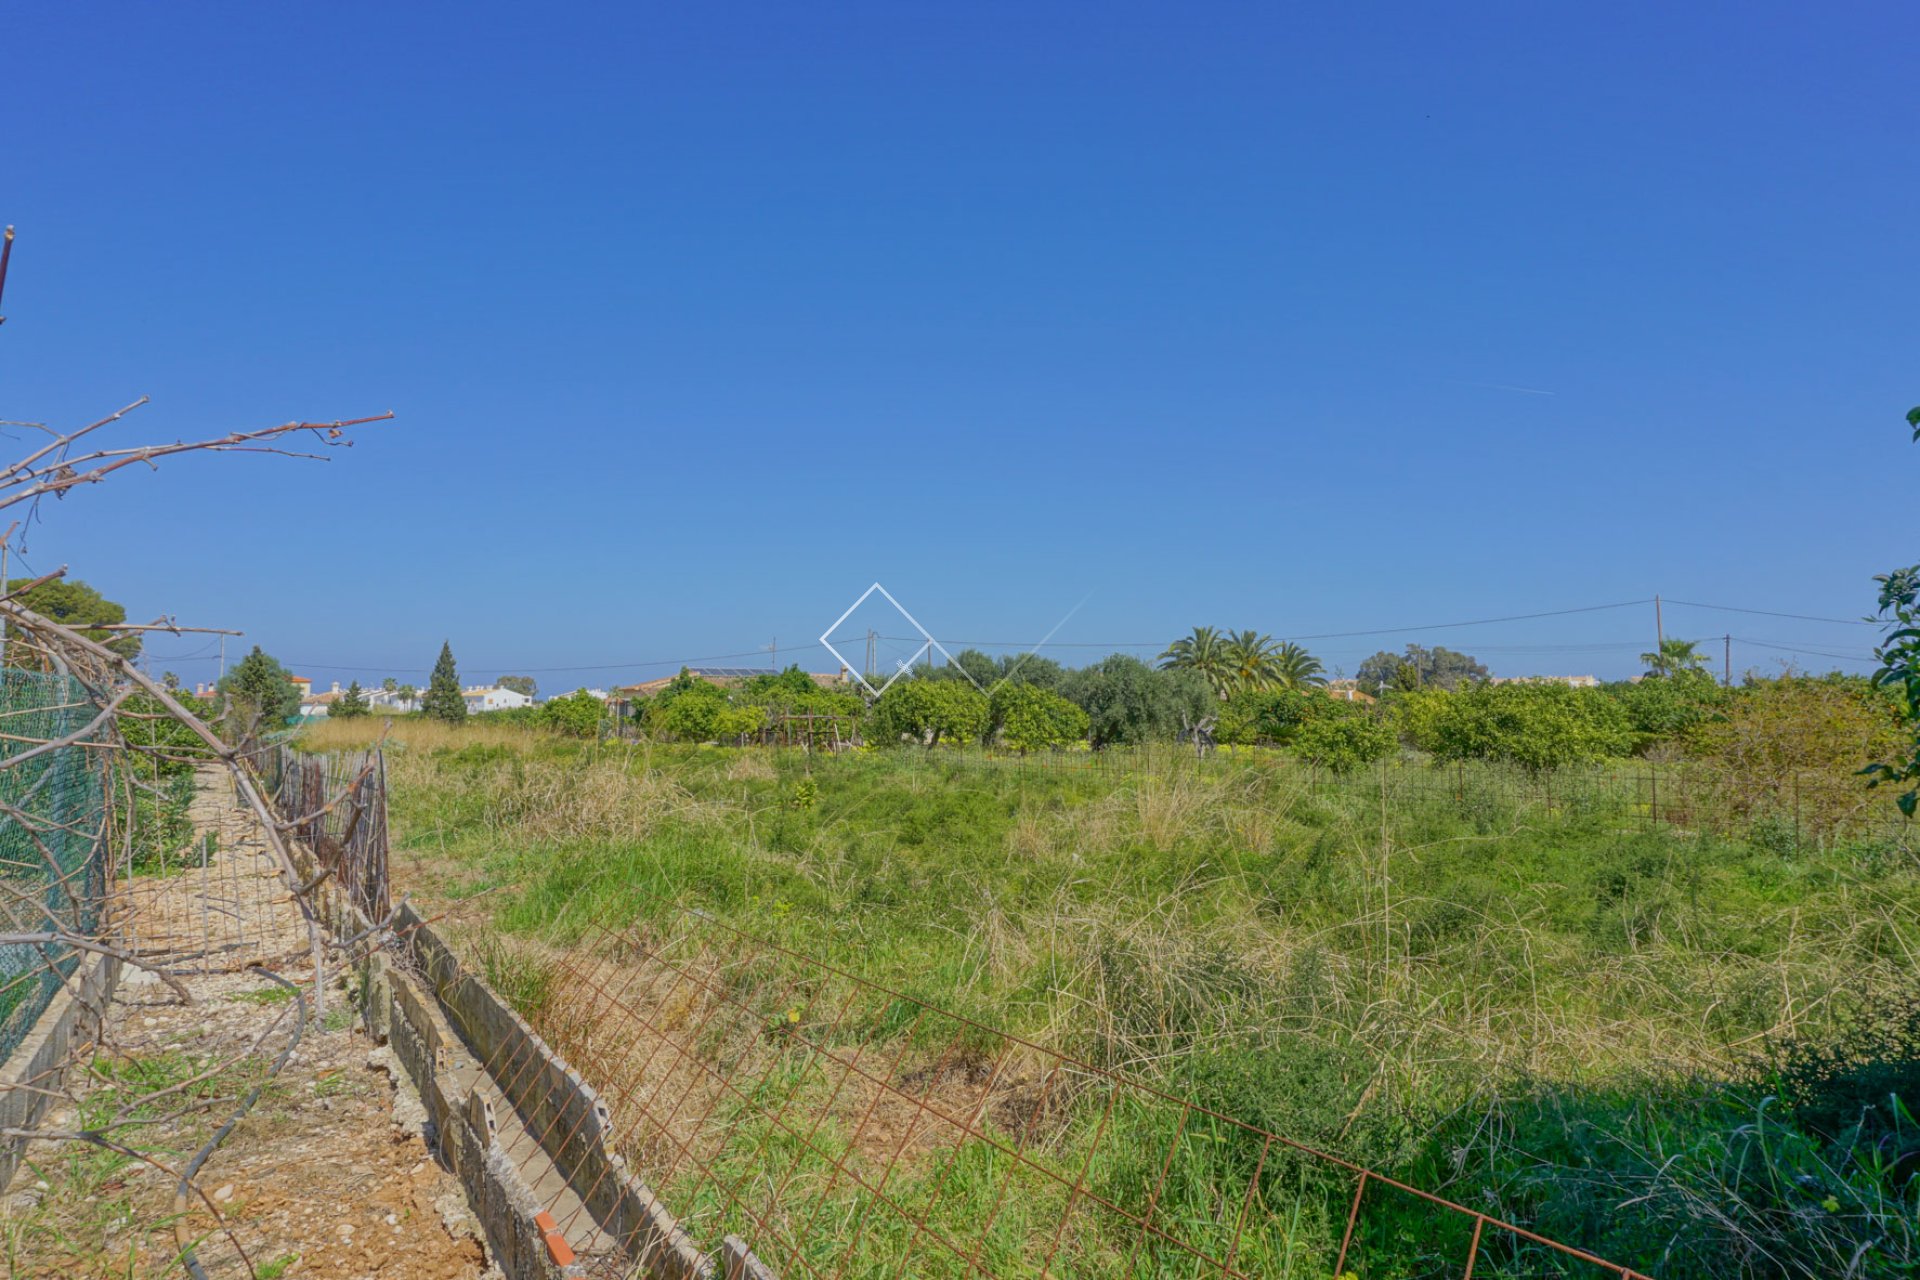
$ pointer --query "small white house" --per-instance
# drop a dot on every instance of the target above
(315, 706)
(494, 698)
(391, 703)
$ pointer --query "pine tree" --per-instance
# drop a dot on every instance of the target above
(352, 703)
(443, 700)
(261, 696)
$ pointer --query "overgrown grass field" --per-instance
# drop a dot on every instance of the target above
(1689, 1053)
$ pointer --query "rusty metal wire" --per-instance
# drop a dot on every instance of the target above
(337, 804)
(845, 1128)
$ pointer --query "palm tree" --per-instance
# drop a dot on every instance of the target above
(1202, 652)
(1295, 668)
(1251, 660)
(1674, 656)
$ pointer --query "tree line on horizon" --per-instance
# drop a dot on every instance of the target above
(1236, 687)
(1435, 703)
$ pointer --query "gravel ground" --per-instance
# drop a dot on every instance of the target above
(326, 1177)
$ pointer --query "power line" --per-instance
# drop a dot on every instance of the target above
(1326, 635)
(1597, 647)
(532, 671)
(1770, 613)
(1116, 645)
(1799, 648)
(1571, 647)
(1477, 622)
(205, 650)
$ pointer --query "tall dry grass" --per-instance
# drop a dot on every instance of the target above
(611, 796)
(416, 732)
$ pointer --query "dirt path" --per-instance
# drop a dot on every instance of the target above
(326, 1177)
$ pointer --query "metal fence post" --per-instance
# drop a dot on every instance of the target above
(1796, 811)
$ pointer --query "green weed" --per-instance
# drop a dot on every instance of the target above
(1513, 989)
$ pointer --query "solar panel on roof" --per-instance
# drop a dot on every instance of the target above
(730, 673)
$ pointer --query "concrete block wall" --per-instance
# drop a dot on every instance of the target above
(38, 1065)
(466, 1132)
(553, 1101)
(447, 1027)
(403, 1013)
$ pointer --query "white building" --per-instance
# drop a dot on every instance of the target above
(315, 706)
(318, 706)
(391, 703)
(1574, 682)
(483, 697)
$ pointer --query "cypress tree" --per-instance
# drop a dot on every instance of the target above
(443, 700)
(352, 703)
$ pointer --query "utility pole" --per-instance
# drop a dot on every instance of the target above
(1659, 631)
(223, 659)
(1726, 679)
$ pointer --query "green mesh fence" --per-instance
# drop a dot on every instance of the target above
(53, 861)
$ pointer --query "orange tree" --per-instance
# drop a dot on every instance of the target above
(1899, 656)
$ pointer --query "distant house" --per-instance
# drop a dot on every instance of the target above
(390, 701)
(1346, 691)
(1572, 682)
(304, 684)
(316, 706)
(725, 677)
(491, 697)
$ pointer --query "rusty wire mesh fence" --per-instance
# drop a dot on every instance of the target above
(194, 892)
(842, 1128)
(218, 901)
(336, 804)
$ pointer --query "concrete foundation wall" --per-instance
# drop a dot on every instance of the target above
(39, 1064)
(465, 1129)
(449, 1030)
(572, 1123)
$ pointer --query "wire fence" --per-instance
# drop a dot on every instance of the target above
(842, 1128)
(54, 860)
(217, 902)
(337, 804)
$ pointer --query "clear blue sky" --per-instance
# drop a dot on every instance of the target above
(699, 318)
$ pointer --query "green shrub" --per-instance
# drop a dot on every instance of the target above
(927, 711)
(1536, 726)
(1028, 718)
(1681, 1178)
(688, 708)
(1268, 715)
(578, 715)
(1128, 702)
(1663, 708)
(736, 724)
(1342, 738)
(1859, 1080)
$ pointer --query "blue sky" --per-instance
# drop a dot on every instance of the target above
(698, 319)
